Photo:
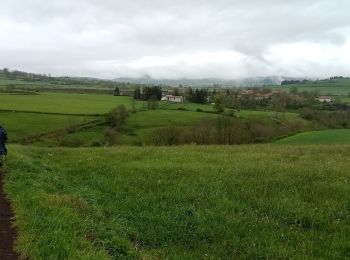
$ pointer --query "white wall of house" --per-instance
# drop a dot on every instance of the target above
(175, 99)
(325, 99)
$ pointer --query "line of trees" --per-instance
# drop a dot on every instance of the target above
(148, 93)
(199, 96)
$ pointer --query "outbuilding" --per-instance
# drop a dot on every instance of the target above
(325, 99)
(174, 99)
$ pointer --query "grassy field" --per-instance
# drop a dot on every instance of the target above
(6, 82)
(89, 137)
(63, 103)
(193, 202)
(140, 126)
(51, 111)
(329, 136)
(341, 87)
(190, 106)
(159, 118)
(22, 125)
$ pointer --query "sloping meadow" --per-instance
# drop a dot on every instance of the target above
(258, 201)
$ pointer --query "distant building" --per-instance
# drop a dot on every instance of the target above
(174, 99)
(325, 99)
(263, 96)
(126, 92)
(247, 92)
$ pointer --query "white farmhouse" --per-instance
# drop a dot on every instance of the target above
(174, 99)
(325, 99)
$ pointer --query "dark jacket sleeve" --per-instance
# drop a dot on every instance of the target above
(5, 135)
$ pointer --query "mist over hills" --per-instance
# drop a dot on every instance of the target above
(244, 82)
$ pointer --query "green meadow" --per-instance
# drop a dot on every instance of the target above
(190, 106)
(63, 103)
(159, 118)
(339, 87)
(329, 136)
(4, 82)
(190, 202)
(29, 115)
(184, 202)
(20, 125)
(140, 126)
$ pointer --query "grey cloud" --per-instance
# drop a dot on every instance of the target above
(103, 37)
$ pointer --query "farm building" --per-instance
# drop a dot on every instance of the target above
(325, 99)
(174, 99)
(126, 92)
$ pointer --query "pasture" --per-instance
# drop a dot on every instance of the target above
(339, 87)
(20, 125)
(4, 82)
(329, 136)
(192, 202)
(63, 103)
(140, 126)
(161, 118)
(189, 106)
(28, 115)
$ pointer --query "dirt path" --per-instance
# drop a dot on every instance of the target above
(7, 233)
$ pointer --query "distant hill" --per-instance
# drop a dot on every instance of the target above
(245, 82)
(15, 78)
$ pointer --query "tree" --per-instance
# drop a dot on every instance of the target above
(219, 103)
(116, 117)
(199, 96)
(116, 92)
(137, 93)
(153, 91)
(6, 72)
(176, 92)
(189, 93)
(279, 102)
(152, 103)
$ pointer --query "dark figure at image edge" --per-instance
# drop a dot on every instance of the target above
(3, 150)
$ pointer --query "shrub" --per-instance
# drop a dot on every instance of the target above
(167, 136)
(110, 136)
(116, 117)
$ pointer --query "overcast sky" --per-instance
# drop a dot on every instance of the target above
(176, 38)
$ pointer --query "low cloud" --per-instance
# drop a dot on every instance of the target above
(175, 39)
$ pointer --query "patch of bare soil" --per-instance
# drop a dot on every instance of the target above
(7, 232)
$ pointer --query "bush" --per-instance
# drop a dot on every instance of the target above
(116, 117)
(152, 103)
(167, 136)
(230, 113)
(199, 110)
(110, 136)
(307, 113)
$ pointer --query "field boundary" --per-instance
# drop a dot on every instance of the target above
(47, 113)
(59, 132)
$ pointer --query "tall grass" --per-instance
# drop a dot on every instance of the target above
(191, 202)
(329, 136)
